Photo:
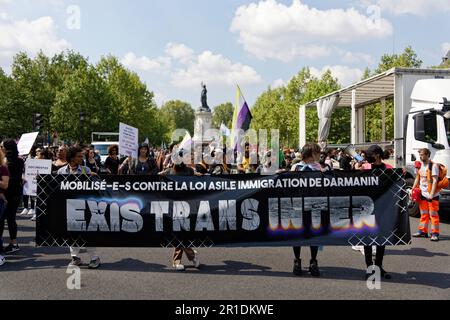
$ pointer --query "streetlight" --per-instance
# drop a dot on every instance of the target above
(82, 118)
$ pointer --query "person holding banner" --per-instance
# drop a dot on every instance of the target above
(375, 156)
(4, 181)
(75, 160)
(144, 164)
(13, 193)
(90, 161)
(311, 156)
(112, 162)
(182, 169)
(61, 159)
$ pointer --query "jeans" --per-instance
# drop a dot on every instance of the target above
(25, 201)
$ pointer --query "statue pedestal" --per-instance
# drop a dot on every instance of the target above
(203, 122)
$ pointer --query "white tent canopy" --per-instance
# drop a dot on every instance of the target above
(378, 88)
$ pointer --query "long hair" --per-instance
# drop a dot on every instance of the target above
(2, 159)
(11, 149)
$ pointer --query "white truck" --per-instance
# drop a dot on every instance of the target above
(421, 117)
(101, 141)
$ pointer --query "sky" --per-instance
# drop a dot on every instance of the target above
(175, 45)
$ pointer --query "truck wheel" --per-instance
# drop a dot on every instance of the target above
(413, 207)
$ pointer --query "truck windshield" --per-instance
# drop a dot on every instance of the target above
(447, 129)
(103, 149)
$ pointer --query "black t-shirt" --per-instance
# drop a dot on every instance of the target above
(182, 171)
(344, 163)
(16, 169)
(93, 166)
(112, 165)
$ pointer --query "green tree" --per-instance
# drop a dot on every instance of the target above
(83, 90)
(130, 100)
(373, 123)
(223, 114)
(279, 108)
(407, 59)
(177, 115)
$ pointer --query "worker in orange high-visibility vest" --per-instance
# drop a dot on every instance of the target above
(427, 180)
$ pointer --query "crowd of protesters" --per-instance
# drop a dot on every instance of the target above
(159, 161)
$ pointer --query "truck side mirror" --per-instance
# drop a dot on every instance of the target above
(419, 127)
(438, 146)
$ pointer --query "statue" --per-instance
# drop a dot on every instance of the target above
(204, 107)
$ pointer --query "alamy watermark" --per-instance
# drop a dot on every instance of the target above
(374, 280)
(73, 21)
(74, 280)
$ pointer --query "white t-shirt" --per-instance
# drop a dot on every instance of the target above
(424, 180)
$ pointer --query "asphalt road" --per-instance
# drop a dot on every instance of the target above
(420, 271)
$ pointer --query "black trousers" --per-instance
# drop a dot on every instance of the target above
(378, 257)
(314, 252)
(25, 202)
(10, 216)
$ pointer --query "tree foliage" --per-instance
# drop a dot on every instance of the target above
(223, 114)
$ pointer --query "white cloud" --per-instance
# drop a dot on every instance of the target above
(146, 64)
(413, 7)
(269, 29)
(29, 36)
(355, 57)
(445, 47)
(344, 74)
(180, 52)
(278, 83)
(214, 69)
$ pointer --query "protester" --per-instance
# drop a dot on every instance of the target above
(244, 164)
(310, 155)
(125, 166)
(90, 161)
(75, 161)
(375, 156)
(45, 154)
(144, 164)
(61, 159)
(4, 181)
(325, 162)
(27, 201)
(112, 162)
(182, 169)
(219, 167)
(13, 193)
(427, 181)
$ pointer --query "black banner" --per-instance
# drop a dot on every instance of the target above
(298, 208)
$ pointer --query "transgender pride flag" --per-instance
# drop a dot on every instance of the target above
(242, 117)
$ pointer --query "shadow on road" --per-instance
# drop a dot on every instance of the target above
(419, 252)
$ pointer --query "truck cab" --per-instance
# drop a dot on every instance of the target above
(428, 126)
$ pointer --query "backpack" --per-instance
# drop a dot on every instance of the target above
(443, 181)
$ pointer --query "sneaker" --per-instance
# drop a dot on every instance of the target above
(297, 267)
(179, 267)
(435, 237)
(385, 274)
(24, 212)
(11, 248)
(95, 263)
(33, 218)
(314, 268)
(76, 262)
(358, 248)
(196, 261)
(31, 212)
(420, 234)
(2, 260)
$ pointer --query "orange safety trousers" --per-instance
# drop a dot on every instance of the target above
(429, 210)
